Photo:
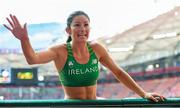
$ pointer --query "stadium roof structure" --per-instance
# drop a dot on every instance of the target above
(156, 38)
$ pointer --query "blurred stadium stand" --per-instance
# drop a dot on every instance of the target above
(149, 52)
(169, 87)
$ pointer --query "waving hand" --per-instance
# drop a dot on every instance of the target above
(15, 27)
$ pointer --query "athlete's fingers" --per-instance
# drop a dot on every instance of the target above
(12, 25)
(12, 18)
(25, 26)
(158, 96)
(16, 21)
(7, 27)
(153, 98)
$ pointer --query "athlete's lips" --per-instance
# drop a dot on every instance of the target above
(82, 35)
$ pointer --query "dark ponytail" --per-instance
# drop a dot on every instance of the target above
(70, 19)
(69, 39)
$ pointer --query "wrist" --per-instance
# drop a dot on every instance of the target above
(24, 38)
(144, 95)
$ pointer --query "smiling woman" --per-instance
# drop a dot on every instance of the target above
(77, 60)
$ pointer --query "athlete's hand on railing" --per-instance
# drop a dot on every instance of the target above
(15, 27)
(154, 97)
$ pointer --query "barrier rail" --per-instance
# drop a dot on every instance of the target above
(128, 102)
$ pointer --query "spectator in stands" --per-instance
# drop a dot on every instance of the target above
(77, 59)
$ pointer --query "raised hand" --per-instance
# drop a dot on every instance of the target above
(15, 27)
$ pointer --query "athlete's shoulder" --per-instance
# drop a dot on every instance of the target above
(96, 45)
(57, 47)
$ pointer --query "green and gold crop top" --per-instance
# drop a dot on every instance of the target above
(75, 74)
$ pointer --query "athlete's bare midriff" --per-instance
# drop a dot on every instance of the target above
(88, 92)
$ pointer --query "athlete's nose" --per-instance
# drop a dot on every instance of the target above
(82, 27)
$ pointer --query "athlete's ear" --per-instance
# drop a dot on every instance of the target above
(68, 30)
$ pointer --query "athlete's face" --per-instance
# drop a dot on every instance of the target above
(79, 29)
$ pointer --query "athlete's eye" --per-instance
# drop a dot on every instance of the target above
(77, 25)
(86, 25)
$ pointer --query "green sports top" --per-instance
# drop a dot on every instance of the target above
(75, 74)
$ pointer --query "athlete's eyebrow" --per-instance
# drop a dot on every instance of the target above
(81, 22)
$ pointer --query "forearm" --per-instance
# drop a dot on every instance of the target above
(126, 79)
(28, 51)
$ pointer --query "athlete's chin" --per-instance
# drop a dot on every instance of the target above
(82, 40)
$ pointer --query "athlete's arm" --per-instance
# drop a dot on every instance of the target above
(21, 33)
(121, 75)
(37, 58)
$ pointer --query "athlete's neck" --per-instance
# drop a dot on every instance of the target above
(80, 49)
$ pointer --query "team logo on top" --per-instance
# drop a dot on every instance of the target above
(94, 61)
(70, 63)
